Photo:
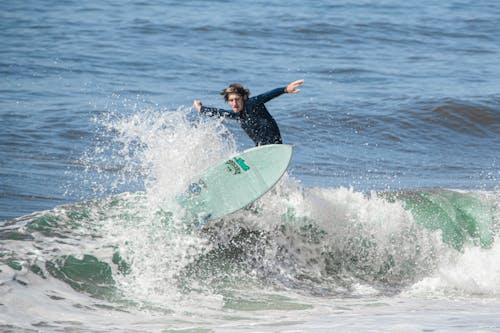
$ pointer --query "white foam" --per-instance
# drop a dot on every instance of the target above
(473, 272)
(170, 150)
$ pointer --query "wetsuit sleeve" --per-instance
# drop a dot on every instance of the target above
(215, 112)
(267, 96)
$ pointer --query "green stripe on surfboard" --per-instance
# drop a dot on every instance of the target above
(236, 182)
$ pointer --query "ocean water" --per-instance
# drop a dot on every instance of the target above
(387, 221)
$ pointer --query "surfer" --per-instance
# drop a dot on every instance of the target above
(251, 113)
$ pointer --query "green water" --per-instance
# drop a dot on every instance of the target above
(463, 218)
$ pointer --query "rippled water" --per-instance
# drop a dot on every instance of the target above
(387, 221)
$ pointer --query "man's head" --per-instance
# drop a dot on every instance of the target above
(236, 95)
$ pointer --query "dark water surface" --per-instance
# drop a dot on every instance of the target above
(387, 221)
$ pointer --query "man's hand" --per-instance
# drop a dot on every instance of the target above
(197, 105)
(292, 87)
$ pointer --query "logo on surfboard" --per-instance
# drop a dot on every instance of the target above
(236, 165)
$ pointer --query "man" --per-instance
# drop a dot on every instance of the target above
(251, 113)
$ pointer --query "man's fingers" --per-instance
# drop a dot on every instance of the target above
(294, 86)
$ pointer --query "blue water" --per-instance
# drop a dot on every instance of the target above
(95, 101)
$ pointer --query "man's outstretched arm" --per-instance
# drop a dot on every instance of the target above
(213, 111)
(291, 88)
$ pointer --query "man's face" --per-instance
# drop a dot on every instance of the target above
(236, 102)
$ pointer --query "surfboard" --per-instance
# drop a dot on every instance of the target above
(236, 182)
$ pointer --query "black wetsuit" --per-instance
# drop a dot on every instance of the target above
(255, 120)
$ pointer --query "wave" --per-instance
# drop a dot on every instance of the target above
(464, 117)
(315, 241)
(139, 249)
(421, 124)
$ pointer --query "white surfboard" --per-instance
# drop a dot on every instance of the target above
(236, 182)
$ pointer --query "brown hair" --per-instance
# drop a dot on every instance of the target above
(235, 88)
